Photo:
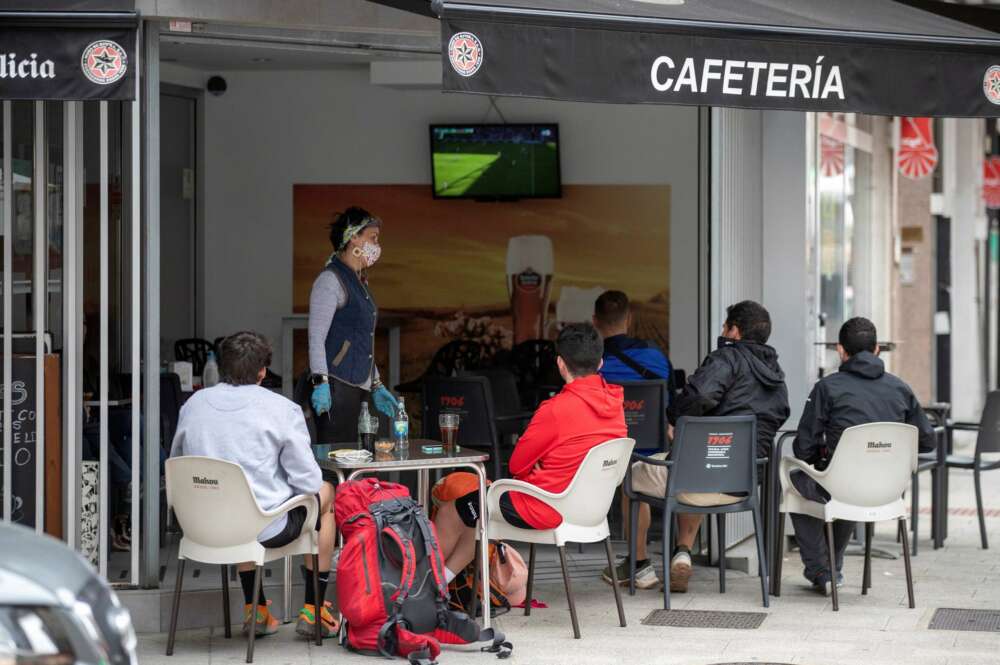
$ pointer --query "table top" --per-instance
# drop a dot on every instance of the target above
(413, 457)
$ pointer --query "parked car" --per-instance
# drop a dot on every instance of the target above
(54, 609)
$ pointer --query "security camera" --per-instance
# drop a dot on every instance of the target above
(216, 85)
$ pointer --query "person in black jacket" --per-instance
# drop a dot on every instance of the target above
(861, 392)
(741, 377)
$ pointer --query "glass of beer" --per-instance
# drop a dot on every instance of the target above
(448, 422)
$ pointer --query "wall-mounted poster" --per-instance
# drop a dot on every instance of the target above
(496, 272)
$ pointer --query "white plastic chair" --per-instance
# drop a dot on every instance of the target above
(866, 479)
(584, 508)
(221, 519)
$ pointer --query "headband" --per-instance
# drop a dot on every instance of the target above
(354, 229)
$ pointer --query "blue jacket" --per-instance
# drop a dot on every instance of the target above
(643, 352)
(351, 341)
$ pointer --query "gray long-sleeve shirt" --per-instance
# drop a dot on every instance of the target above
(261, 431)
(327, 296)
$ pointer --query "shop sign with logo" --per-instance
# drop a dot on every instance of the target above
(66, 63)
(917, 156)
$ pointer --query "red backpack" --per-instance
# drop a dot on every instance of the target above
(390, 579)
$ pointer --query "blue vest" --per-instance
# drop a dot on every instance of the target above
(350, 343)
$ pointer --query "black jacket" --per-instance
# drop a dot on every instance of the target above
(861, 392)
(740, 378)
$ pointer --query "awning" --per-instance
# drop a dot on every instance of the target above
(869, 56)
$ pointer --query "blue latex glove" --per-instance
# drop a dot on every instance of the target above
(321, 399)
(385, 401)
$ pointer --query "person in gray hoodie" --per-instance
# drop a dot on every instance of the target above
(266, 434)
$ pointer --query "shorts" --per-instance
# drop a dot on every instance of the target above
(651, 480)
(296, 519)
(468, 510)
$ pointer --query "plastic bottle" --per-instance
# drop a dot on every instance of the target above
(210, 375)
(366, 435)
(401, 427)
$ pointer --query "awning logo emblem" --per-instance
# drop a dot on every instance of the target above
(465, 52)
(104, 62)
(991, 84)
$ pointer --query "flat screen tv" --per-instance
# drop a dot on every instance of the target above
(495, 162)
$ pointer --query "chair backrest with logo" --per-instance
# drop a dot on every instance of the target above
(873, 464)
(587, 499)
(714, 454)
(468, 396)
(646, 414)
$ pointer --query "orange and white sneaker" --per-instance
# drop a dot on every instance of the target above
(306, 625)
(265, 622)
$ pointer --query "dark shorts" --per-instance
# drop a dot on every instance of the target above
(293, 528)
(468, 510)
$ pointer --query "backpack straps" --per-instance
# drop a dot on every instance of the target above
(631, 363)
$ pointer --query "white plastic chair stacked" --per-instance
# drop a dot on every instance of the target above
(866, 479)
(584, 508)
(221, 519)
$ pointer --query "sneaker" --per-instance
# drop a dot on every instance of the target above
(266, 624)
(680, 571)
(645, 574)
(821, 584)
(840, 580)
(306, 624)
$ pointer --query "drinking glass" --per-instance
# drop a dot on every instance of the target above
(448, 422)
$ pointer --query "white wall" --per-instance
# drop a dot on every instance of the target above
(274, 129)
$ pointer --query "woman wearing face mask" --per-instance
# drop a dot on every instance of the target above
(342, 317)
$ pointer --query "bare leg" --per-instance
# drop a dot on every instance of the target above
(643, 531)
(687, 529)
(327, 529)
(457, 541)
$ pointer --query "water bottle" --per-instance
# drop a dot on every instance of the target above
(210, 375)
(366, 435)
(401, 427)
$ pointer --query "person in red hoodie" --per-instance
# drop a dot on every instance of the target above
(586, 413)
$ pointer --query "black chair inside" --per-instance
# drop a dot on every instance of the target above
(452, 358)
(471, 398)
(510, 416)
(171, 399)
(646, 414)
(534, 364)
(195, 351)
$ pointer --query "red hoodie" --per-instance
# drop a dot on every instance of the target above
(586, 413)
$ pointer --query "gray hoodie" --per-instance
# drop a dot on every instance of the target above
(261, 431)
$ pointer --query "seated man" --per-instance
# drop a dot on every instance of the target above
(626, 358)
(266, 434)
(587, 412)
(741, 377)
(861, 392)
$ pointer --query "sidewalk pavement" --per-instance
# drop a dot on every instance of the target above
(800, 626)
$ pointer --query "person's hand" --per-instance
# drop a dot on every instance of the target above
(670, 432)
(322, 401)
(385, 401)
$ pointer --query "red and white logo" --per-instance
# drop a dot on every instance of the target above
(465, 52)
(104, 62)
(991, 84)
(991, 182)
(918, 156)
(831, 156)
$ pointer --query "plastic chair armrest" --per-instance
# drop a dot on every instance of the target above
(508, 485)
(964, 427)
(308, 501)
(789, 464)
(636, 457)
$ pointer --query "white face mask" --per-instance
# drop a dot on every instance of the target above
(370, 252)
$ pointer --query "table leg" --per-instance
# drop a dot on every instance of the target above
(423, 487)
(484, 549)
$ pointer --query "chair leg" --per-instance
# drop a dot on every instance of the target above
(668, 548)
(569, 592)
(979, 508)
(721, 521)
(759, 536)
(531, 579)
(779, 555)
(866, 576)
(318, 624)
(614, 579)
(831, 549)
(253, 614)
(915, 509)
(633, 532)
(178, 583)
(497, 462)
(906, 562)
(225, 601)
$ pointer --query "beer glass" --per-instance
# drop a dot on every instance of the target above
(448, 422)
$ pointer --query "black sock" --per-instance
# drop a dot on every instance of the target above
(246, 581)
(322, 581)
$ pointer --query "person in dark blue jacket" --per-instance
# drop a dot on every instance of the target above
(626, 358)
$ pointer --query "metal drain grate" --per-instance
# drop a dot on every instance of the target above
(947, 618)
(705, 619)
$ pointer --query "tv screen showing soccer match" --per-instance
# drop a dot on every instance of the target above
(495, 161)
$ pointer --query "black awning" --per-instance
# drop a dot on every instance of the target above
(870, 56)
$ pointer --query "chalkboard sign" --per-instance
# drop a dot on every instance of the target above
(24, 438)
